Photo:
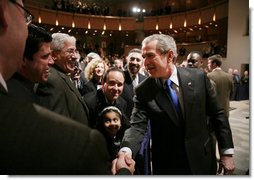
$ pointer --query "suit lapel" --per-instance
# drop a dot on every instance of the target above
(128, 83)
(2, 90)
(186, 84)
(141, 78)
(66, 78)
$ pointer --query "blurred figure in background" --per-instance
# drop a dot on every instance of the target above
(195, 59)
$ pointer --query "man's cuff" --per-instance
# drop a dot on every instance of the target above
(126, 150)
(227, 151)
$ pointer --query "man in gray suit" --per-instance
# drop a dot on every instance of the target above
(59, 93)
(224, 81)
(34, 140)
(181, 139)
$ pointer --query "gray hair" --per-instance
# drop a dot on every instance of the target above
(59, 39)
(93, 55)
(165, 43)
(135, 50)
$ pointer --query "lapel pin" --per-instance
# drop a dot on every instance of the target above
(189, 83)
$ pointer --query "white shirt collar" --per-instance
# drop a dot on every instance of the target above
(216, 68)
(2, 81)
(174, 77)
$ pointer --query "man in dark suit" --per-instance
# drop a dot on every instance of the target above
(35, 68)
(59, 93)
(34, 140)
(195, 59)
(107, 95)
(181, 139)
(132, 76)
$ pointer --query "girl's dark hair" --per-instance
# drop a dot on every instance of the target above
(100, 121)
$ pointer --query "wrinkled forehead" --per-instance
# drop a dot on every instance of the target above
(135, 55)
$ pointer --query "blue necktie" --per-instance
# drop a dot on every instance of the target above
(173, 95)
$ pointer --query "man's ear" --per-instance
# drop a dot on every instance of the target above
(24, 61)
(3, 21)
(54, 55)
(170, 56)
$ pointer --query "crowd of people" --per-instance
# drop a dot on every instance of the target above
(102, 9)
(61, 114)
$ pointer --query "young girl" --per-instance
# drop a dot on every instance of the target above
(112, 124)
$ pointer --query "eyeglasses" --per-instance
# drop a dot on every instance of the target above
(27, 15)
(72, 51)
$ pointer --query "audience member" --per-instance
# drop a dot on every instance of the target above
(179, 117)
(33, 139)
(35, 66)
(93, 72)
(90, 56)
(119, 63)
(195, 59)
(112, 124)
(223, 81)
(59, 93)
(230, 71)
(76, 73)
(245, 85)
(132, 76)
(237, 82)
(108, 95)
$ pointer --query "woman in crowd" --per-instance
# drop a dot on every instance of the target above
(93, 72)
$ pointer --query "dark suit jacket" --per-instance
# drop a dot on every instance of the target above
(96, 102)
(61, 96)
(34, 140)
(21, 88)
(128, 91)
(90, 86)
(180, 145)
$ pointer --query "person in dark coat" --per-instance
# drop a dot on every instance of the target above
(34, 140)
(108, 95)
(181, 138)
(35, 68)
(59, 93)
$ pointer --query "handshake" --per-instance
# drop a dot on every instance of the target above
(123, 164)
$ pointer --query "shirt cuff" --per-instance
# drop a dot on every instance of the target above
(126, 150)
(227, 151)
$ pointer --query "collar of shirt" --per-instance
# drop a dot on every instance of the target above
(217, 68)
(2, 81)
(173, 77)
(131, 75)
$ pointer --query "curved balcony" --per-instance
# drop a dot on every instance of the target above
(191, 29)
